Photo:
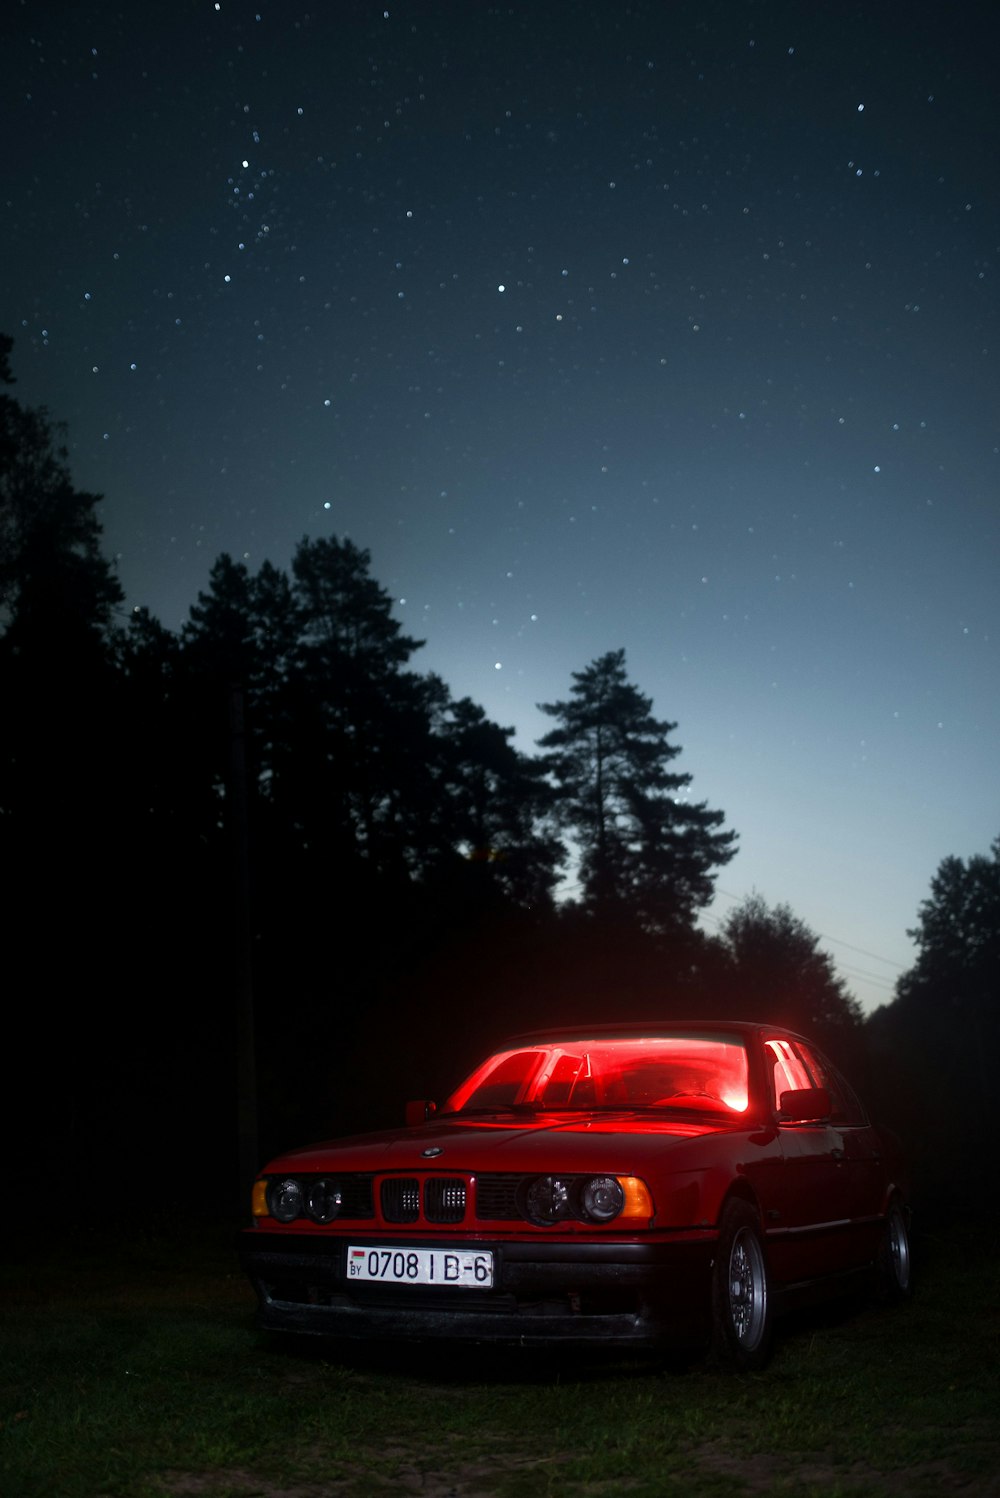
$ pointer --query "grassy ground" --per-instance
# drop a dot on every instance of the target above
(138, 1374)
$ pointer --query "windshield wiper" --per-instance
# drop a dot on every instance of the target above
(519, 1108)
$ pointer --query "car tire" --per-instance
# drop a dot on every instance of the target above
(894, 1266)
(741, 1293)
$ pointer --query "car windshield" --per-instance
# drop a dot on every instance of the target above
(684, 1070)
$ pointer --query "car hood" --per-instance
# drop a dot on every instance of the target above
(498, 1142)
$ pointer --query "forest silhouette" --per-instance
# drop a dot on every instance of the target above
(264, 880)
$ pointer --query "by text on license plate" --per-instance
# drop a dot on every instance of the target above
(470, 1269)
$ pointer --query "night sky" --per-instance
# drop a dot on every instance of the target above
(670, 326)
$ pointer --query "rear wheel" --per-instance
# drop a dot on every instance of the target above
(741, 1298)
(895, 1268)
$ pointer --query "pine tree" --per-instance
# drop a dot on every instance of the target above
(646, 852)
(363, 721)
(58, 592)
(496, 802)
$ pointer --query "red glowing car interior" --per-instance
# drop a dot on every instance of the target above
(689, 1071)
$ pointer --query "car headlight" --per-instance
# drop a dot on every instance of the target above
(602, 1198)
(284, 1199)
(323, 1199)
(547, 1199)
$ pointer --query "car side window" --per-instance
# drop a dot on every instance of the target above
(845, 1107)
(788, 1072)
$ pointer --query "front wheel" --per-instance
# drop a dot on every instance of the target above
(741, 1299)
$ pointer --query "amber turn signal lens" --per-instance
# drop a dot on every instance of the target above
(638, 1202)
(258, 1199)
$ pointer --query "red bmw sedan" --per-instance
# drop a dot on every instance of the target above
(622, 1186)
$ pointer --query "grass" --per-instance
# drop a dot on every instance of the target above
(137, 1373)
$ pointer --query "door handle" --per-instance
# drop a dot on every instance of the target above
(837, 1155)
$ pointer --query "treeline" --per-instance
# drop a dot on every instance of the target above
(268, 850)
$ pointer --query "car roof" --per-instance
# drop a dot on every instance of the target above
(634, 1029)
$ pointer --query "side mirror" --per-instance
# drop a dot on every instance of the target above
(804, 1105)
(419, 1112)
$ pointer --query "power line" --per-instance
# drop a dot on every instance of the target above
(862, 951)
(889, 962)
(877, 980)
(880, 980)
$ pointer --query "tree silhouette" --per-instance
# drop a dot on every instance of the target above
(779, 974)
(57, 592)
(57, 670)
(355, 762)
(62, 829)
(958, 940)
(646, 853)
(950, 998)
(363, 721)
(242, 640)
(497, 802)
(937, 1041)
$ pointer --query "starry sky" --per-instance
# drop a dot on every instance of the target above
(668, 325)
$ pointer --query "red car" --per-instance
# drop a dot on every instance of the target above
(615, 1186)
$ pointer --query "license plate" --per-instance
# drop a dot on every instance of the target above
(462, 1268)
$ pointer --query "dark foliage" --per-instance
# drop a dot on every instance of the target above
(776, 970)
(938, 1041)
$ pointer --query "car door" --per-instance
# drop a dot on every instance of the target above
(862, 1169)
(808, 1216)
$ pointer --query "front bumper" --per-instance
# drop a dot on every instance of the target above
(638, 1295)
